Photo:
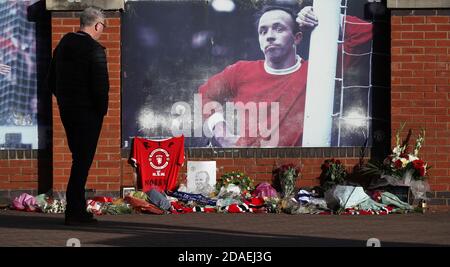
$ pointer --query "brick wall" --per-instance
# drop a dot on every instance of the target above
(421, 87)
(18, 172)
(420, 97)
(105, 173)
(259, 163)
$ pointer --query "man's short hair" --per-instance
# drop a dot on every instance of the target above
(286, 9)
(90, 15)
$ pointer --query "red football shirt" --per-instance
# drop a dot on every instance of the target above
(158, 161)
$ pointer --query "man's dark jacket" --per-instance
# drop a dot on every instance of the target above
(78, 74)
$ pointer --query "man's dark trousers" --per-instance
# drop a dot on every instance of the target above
(83, 128)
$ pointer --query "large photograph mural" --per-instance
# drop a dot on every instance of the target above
(241, 73)
(18, 80)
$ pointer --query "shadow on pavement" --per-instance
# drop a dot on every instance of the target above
(160, 235)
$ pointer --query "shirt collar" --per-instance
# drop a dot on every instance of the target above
(294, 68)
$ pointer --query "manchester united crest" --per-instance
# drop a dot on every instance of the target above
(159, 159)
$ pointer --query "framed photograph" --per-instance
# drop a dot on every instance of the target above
(201, 177)
(126, 190)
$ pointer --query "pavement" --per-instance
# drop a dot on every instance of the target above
(19, 228)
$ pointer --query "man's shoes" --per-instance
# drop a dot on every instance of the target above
(80, 220)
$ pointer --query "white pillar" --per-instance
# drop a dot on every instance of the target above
(321, 74)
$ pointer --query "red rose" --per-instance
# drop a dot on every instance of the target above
(398, 164)
(422, 171)
(404, 155)
(325, 166)
(418, 164)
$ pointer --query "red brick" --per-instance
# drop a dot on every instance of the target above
(402, 73)
(413, 81)
(443, 74)
(436, 66)
(441, 88)
(424, 27)
(402, 58)
(440, 81)
(111, 22)
(401, 103)
(435, 35)
(443, 58)
(395, 95)
(436, 141)
(396, 43)
(435, 51)
(56, 21)
(412, 35)
(425, 58)
(71, 21)
(414, 111)
(442, 164)
(63, 29)
(402, 28)
(29, 171)
(443, 43)
(412, 50)
(439, 187)
(108, 179)
(412, 66)
(425, 43)
(396, 35)
(19, 163)
(438, 19)
(114, 37)
(23, 178)
(423, 103)
(440, 27)
(396, 20)
(258, 169)
(423, 118)
(224, 162)
(114, 187)
(424, 73)
(413, 20)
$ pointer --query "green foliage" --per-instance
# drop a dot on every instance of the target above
(238, 178)
(333, 173)
(286, 175)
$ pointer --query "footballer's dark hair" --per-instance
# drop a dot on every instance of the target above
(290, 11)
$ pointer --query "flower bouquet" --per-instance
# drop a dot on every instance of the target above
(245, 183)
(286, 176)
(402, 167)
(333, 173)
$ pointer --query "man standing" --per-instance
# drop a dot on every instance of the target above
(79, 79)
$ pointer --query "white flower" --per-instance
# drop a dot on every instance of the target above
(404, 162)
(398, 150)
